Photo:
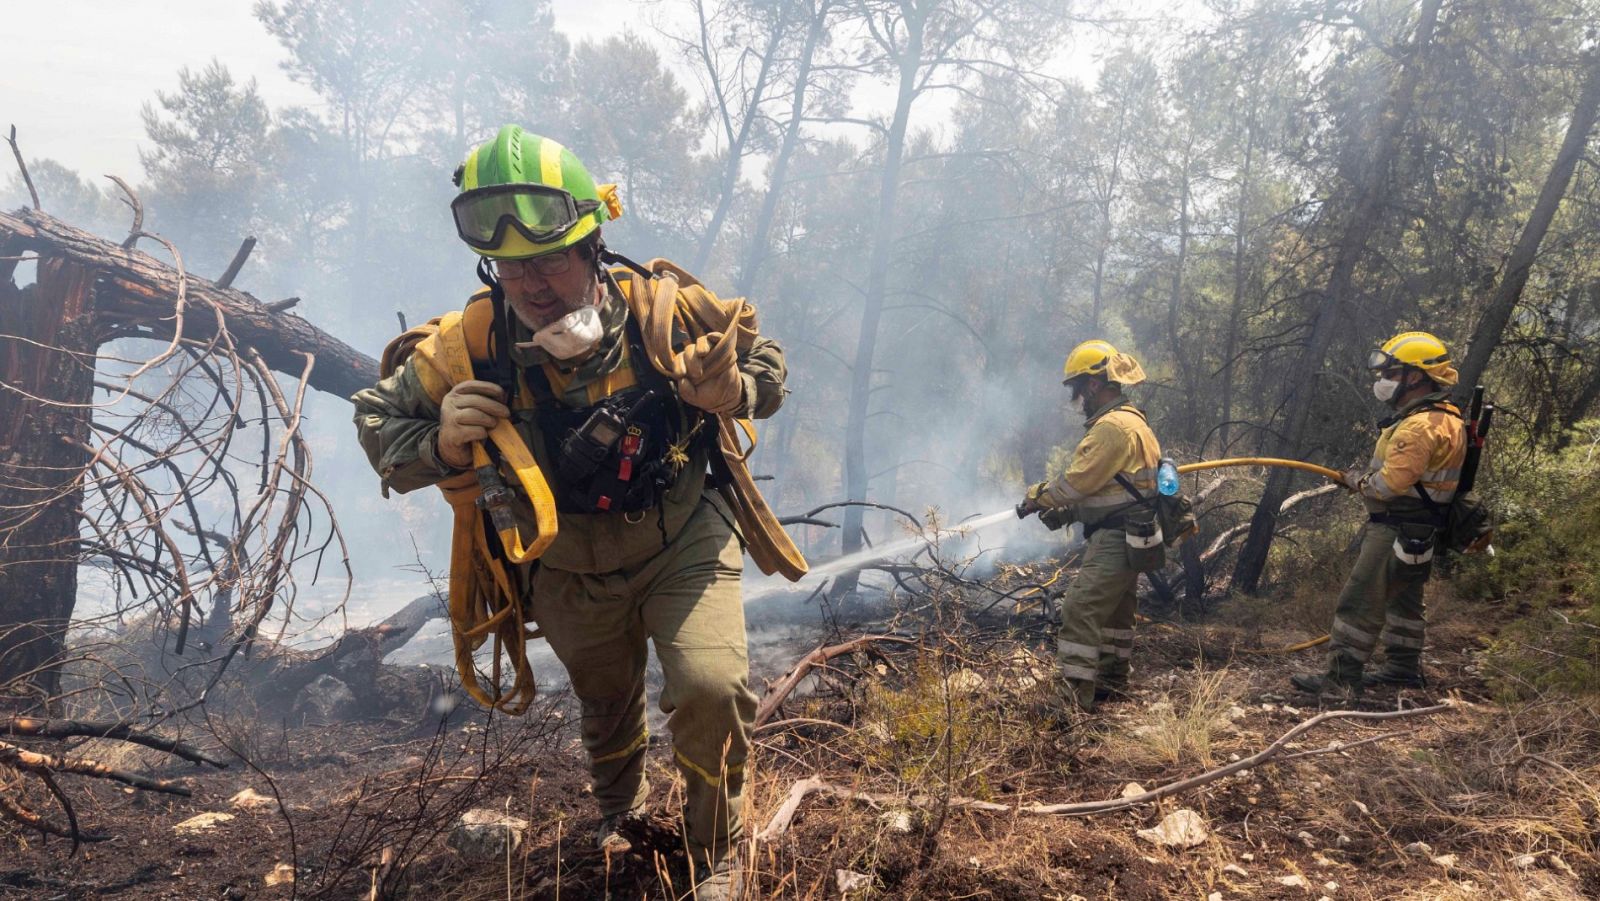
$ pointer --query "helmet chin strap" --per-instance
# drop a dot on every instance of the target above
(500, 350)
(604, 256)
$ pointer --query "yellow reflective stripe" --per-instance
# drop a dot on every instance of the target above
(731, 769)
(633, 746)
(550, 163)
(469, 171)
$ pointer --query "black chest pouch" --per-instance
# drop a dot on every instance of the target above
(612, 457)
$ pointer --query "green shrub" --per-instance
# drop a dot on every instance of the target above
(1546, 564)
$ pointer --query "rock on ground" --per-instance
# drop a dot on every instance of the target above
(483, 834)
(1182, 828)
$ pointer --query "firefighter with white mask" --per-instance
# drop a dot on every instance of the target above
(1413, 475)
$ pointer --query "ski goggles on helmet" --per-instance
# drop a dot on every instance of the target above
(1380, 360)
(541, 214)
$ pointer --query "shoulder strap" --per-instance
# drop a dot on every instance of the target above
(1127, 485)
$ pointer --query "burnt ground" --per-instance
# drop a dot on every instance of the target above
(1482, 801)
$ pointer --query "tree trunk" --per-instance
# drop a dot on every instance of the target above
(1230, 347)
(48, 368)
(855, 440)
(1486, 337)
(730, 173)
(83, 281)
(1180, 357)
(1369, 182)
(756, 253)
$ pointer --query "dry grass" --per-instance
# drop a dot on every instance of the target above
(1177, 727)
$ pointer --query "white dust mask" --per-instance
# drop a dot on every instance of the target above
(1384, 389)
(572, 336)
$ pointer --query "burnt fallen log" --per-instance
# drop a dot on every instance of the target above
(132, 284)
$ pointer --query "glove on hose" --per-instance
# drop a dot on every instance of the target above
(711, 383)
(466, 414)
(1054, 518)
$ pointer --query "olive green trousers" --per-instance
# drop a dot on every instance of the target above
(686, 600)
(1095, 641)
(1381, 597)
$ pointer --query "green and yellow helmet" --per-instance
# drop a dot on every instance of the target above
(523, 195)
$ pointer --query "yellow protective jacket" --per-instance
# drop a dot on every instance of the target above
(1425, 445)
(397, 423)
(1118, 440)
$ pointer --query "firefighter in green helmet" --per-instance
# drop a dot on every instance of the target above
(646, 551)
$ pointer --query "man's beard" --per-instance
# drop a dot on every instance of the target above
(558, 306)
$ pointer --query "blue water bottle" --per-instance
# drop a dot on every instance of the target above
(1167, 478)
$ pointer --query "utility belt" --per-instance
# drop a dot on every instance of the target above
(1141, 532)
(1415, 537)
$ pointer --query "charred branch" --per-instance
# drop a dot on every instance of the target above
(141, 285)
(237, 263)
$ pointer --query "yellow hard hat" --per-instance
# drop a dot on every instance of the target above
(1419, 350)
(1088, 358)
(1099, 357)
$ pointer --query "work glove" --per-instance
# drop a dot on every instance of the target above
(1352, 478)
(1030, 501)
(466, 414)
(1056, 518)
(712, 384)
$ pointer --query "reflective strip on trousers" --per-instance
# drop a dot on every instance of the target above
(1366, 641)
(1126, 634)
(732, 769)
(1400, 622)
(1066, 648)
(1397, 640)
(1073, 671)
(631, 747)
(1121, 652)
